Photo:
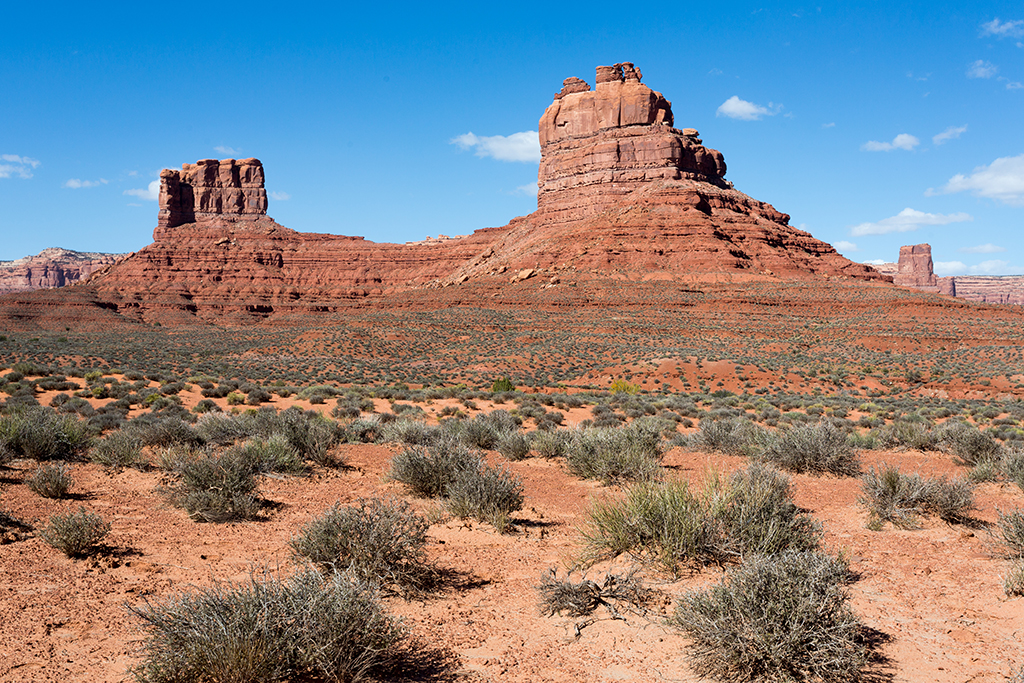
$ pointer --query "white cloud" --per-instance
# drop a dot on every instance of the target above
(230, 151)
(280, 196)
(75, 183)
(876, 262)
(828, 125)
(993, 267)
(901, 141)
(1014, 85)
(1003, 180)
(151, 193)
(982, 249)
(735, 108)
(951, 133)
(1003, 29)
(981, 69)
(523, 146)
(907, 220)
(843, 246)
(17, 165)
(530, 189)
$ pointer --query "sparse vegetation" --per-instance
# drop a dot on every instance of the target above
(52, 480)
(631, 453)
(583, 597)
(215, 488)
(76, 534)
(818, 448)
(891, 496)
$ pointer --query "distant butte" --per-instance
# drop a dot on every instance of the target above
(622, 195)
(915, 270)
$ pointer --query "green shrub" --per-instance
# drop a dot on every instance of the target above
(502, 385)
(236, 398)
(273, 454)
(899, 498)
(733, 436)
(902, 434)
(782, 617)
(119, 449)
(76, 534)
(43, 434)
(819, 448)
(551, 443)
(52, 480)
(514, 446)
(378, 541)
(427, 471)
(216, 488)
(968, 445)
(630, 453)
(268, 629)
(488, 494)
(667, 524)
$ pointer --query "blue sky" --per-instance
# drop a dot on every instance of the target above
(872, 125)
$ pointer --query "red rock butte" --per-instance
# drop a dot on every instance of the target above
(622, 195)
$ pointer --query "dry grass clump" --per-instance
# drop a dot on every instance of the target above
(119, 449)
(583, 597)
(76, 534)
(969, 445)
(610, 454)
(375, 540)
(782, 617)
(308, 626)
(42, 434)
(667, 524)
(819, 448)
(900, 498)
(52, 480)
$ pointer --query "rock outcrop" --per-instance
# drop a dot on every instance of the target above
(914, 268)
(623, 196)
(599, 145)
(211, 188)
(53, 267)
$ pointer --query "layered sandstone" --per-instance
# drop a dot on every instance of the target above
(599, 145)
(210, 188)
(53, 267)
(914, 268)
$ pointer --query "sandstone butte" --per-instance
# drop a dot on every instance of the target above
(623, 195)
(915, 270)
(53, 267)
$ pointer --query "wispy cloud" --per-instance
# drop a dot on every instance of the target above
(843, 246)
(151, 193)
(76, 184)
(280, 196)
(907, 220)
(901, 141)
(982, 69)
(230, 151)
(951, 133)
(828, 125)
(530, 189)
(735, 108)
(1002, 180)
(524, 146)
(993, 267)
(982, 249)
(1014, 85)
(15, 165)
(1003, 29)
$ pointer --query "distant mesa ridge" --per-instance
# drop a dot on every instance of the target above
(622, 195)
(50, 268)
(915, 270)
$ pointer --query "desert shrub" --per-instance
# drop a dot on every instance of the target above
(816, 448)
(484, 431)
(75, 405)
(236, 398)
(213, 488)
(76, 534)
(272, 454)
(733, 436)
(378, 541)
(501, 385)
(903, 434)
(1010, 531)
(43, 434)
(258, 396)
(985, 470)
(119, 449)
(206, 406)
(427, 470)
(551, 443)
(1012, 466)
(668, 525)
(488, 494)
(163, 431)
(52, 480)
(268, 629)
(583, 597)
(782, 617)
(411, 432)
(968, 445)
(363, 430)
(1013, 582)
(630, 453)
(514, 445)
(24, 368)
(899, 498)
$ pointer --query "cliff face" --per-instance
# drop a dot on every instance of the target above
(915, 270)
(622, 195)
(50, 268)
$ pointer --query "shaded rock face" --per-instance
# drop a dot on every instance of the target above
(211, 188)
(599, 145)
(914, 268)
(53, 267)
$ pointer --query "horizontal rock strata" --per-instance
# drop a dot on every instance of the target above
(53, 267)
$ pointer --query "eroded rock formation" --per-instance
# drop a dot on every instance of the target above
(914, 268)
(599, 145)
(211, 188)
(53, 267)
